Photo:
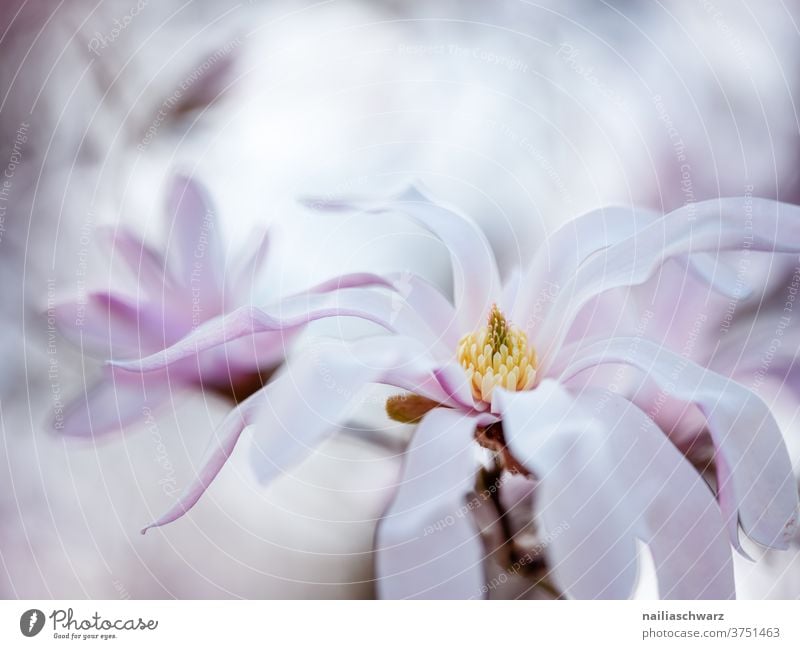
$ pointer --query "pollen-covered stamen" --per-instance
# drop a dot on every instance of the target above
(497, 355)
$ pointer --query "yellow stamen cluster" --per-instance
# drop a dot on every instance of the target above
(497, 355)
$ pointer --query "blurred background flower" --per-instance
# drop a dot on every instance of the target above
(521, 114)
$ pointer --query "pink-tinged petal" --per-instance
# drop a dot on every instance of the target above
(287, 316)
(454, 381)
(420, 372)
(712, 271)
(413, 292)
(761, 340)
(208, 86)
(709, 226)
(608, 476)
(147, 266)
(261, 351)
(423, 374)
(680, 311)
(114, 402)
(111, 325)
(476, 280)
(756, 485)
(677, 311)
(314, 393)
(351, 280)
(195, 254)
(217, 454)
(686, 294)
(420, 375)
(427, 543)
(432, 306)
(762, 357)
(591, 556)
(680, 520)
(614, 313)
(682, 422)
(559, 256)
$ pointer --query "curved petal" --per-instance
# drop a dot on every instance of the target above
(217, 454)
(579, 513)
(680, 520)
(306, 401)
(287, 316)
(299, 407)
(476, 280)
(112, 325)
(350, 280)
(258, 352)
(754, 473)
(555, 261)
(412, 292)
(762, 341)
(712, 271)
(112, 403)
(313, 394)
(422, 376)
(696, 228)
(454, 381)
(673, 308)
(427, 544)
(147, 266)
(432, 306)
(319, 388)
(195, 254)
(598, 450)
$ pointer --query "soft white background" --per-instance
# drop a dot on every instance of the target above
(521, 113)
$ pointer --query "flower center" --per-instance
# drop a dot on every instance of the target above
(497, 355)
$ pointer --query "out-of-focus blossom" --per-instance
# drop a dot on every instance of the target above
(522, 114)
(170, 295)
(519, 368)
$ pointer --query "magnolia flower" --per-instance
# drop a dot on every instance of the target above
(518, 369)
(170, 297)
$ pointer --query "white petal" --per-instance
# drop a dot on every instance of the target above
(427, 543)
(113, 325)
(556, 260)
(583, 525)
(609, 476)
(754, 473)
(288, 316)
(219, 450)
(432, 306)
(317, 390)
(306, 401)
(194, 251)
(117, 400)
(697, 228)
(476, 280)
